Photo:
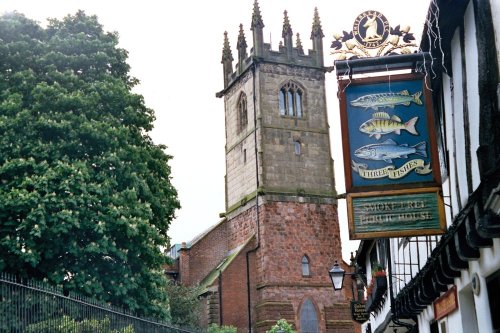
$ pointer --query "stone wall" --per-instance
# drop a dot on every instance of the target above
(240, 172)
(284, 170)
(280, 169)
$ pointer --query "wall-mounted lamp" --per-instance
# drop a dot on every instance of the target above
(337, 276)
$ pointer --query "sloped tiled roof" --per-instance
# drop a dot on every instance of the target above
(214, 273)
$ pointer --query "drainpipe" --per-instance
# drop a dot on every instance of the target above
(220, 298)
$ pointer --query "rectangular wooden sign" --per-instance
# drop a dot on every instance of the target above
(397, 213)
(446, 304)
(388, 134)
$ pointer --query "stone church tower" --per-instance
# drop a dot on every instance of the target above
(269, 257)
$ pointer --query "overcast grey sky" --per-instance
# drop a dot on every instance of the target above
(175, 50)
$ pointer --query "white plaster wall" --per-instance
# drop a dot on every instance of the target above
(473, 314)
(448, 100)
(488, 264)
(447, 202)
(466, 311)
(378, 319)
(447, 180)
(458, 121)
(424, 319)
(471, 56)
(396, 255)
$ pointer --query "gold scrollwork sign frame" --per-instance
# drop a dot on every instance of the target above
(372, 36)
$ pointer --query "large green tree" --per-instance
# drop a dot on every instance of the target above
(85, 195)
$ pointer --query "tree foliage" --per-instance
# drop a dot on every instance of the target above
(85, 195)
(186, 308)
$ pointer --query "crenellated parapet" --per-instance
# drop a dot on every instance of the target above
(288, 53)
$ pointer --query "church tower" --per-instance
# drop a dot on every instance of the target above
(281, 211)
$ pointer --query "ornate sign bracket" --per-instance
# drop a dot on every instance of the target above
(372, 36)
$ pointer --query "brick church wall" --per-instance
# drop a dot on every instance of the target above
(243, 226)
(293, 230)
(338, 318)
(235, 290)
(205, 254)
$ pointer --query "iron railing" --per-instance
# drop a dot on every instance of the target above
(29, 306)
(411, 255)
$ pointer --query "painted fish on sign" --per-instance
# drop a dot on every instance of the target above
(376, 101)
(381, 123)
(389, 149)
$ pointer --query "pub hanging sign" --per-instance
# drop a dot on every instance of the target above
(390, 155)
(388, 132)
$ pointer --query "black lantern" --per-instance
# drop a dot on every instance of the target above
(337, 275)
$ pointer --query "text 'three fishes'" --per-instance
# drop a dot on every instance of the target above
(389, 149)
(390, 100)
(381, 123)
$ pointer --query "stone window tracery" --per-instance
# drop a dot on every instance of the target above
(290, 100)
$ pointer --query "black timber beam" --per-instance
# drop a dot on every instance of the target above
(438, 285)
(473, 237)
(445, 266)
(454, 260)
(442, 278)
(428, 288)
(464, 250)
(489, 225)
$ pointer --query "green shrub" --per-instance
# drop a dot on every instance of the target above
(281, 326)
(214, 328)
(66, 324)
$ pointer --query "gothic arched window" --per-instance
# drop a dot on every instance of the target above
(242, 112)
(290, 99)
(308, 317)
(305, 266)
